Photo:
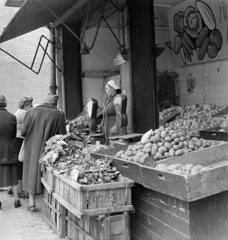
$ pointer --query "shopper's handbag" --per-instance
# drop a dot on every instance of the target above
(21, 153)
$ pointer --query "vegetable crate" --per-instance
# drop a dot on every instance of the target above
(103, 227)
(162, 217)
(93, 200)
(128, 169)
(212, 180)
(169, 118)
(48, 178)
(54, 214)
(222, 114)
(214, 134)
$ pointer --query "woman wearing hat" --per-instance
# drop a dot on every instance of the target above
(109, 124)
(24, 104)
(8, 155)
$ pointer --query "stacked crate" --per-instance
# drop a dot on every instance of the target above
(92, 212)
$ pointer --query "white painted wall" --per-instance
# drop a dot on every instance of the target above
(99, 59)
(211, 83)
(211, 78)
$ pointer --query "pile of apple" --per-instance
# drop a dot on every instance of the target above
(194, 118)
(162, 143)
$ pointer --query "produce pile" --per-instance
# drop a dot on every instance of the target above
(186, 170)
(162, 143)
(167, 112)
(75, 127)
(67, 157)
(194, 118)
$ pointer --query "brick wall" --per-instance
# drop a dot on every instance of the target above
(15, 79)
(211, 78)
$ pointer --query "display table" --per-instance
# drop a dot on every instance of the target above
(172, 207)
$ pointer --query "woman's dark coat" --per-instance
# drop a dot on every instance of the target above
(40, 124)
(8, 128)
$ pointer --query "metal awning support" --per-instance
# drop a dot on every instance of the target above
(37, 49)
(107, 24)
(65, 25)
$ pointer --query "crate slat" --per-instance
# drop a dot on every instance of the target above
(108, 227)
(54, 214)
(94, 199)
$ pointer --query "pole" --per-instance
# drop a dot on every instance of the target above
(53, 85)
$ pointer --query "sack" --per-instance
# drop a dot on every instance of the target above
(21, 153)
(224, 125)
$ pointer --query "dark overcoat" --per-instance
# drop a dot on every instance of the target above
(8, 128)
(40, 124)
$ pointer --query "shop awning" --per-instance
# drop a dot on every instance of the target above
(33, 15)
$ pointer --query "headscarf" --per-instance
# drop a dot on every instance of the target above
(3, 102)
(25, 101)
(114, 84)
(51, 98)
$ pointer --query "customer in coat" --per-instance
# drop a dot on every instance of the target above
(8, 156)
(40, 124)
(24, 104)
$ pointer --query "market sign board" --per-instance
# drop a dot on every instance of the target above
(199, 31)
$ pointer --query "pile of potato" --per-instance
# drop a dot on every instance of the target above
(163, 143)
(167, 112)
(194, 118)
(186, 170)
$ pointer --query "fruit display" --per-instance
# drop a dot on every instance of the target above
(163, 143)
(167, 112)
(186, 170)
(194, 118)
(67, 157)
(75, 127)
(196, 33)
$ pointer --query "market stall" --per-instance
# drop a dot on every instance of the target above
(83, 197)
(182, 193)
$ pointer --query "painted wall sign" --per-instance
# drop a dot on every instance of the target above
(199, 31)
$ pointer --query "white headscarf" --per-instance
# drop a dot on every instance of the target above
(114, 84)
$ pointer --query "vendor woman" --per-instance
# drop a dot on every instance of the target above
(109, 124)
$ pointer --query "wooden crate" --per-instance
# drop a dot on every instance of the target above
(113, 227)
(93, 200)
(128, 169)
(54, 214)
(169, 118)
(159, 216)
(109, 153)
(48, 179)
(209, 182)
(198, 186)
(214, 134)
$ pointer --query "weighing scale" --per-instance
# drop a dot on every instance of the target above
(92, 106)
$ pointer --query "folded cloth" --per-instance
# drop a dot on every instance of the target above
(114, 84)
(21, 153)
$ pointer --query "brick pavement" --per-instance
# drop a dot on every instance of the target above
(20, 224)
